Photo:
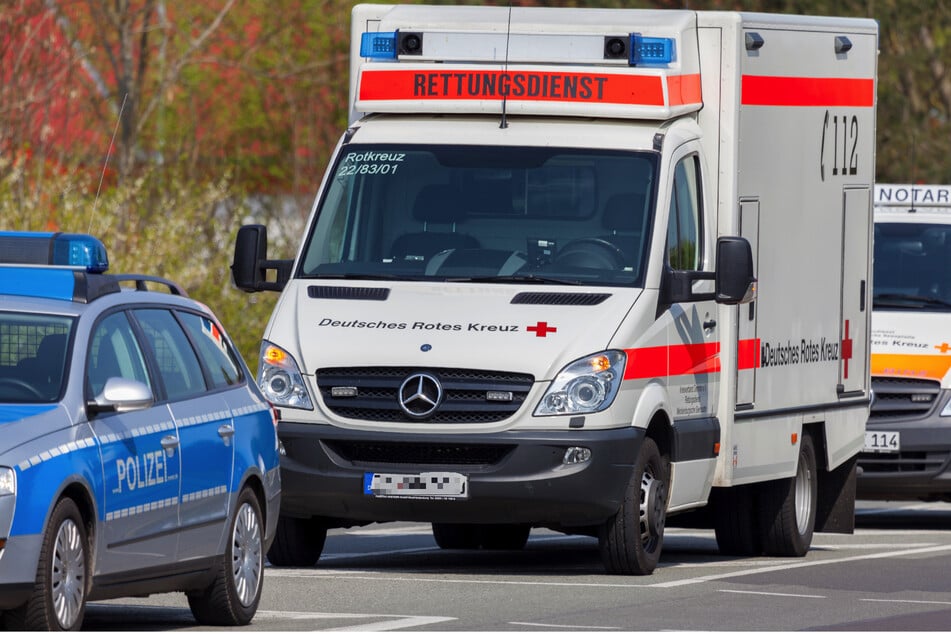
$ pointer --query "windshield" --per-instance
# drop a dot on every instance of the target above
(477, 213)
(912, 266)
(33, 355)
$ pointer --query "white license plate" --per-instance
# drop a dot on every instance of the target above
(882, 441)
(431, 485)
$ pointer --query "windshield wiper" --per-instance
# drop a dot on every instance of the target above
(899, 299)
(516, 279)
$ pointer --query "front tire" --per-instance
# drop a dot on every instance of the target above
(297, 542)
(232, 599)
(788, 507)
(631, 541)
(58, 601)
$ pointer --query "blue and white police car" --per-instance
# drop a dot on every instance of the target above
(136, 454)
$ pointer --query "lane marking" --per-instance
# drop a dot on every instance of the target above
(804, 564)
(564, 627)
(906, 601)
(777, 594)
(391, 622)
(362, 575)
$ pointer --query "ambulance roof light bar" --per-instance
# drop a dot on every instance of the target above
(635, 48)
(48, 248)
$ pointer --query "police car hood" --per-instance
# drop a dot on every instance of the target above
(914, 345)
(20, 422)
(480, 326)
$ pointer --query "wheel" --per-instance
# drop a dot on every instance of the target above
(232, 598)
(787, 508)
(593, 253)
(457, 536)
(734, 521)
(58, 601)
(630, 542)
(297, 542)
(504, 536)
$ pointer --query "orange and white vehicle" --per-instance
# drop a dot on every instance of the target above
(581, 269)
(908, 437)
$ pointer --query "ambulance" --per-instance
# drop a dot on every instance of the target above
(907, 453)
(581, 269)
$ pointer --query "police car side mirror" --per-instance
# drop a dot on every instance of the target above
(250, 266)
(735, 282)
(121, 395)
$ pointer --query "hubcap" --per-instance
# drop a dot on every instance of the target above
(651, 509)
(68, 574)
(803, 497)
(247, 557)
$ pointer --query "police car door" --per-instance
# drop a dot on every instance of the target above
(204, 426)
(140, 459)
(692, 331)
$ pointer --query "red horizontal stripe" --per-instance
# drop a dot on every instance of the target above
(690, 358)
(747, 354)
(807, 91)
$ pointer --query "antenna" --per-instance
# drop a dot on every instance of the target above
(505, 67)
(105, 163)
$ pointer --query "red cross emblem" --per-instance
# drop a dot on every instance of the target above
(846, 350)
(541, 329)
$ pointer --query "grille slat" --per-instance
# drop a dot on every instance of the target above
(464, 393)
(368, 453)
(893, 398)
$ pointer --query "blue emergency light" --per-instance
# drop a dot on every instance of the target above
(651, 50)
(58, 249)
(378, 45)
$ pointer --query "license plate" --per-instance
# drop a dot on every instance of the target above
(430, 485)
(882, 441)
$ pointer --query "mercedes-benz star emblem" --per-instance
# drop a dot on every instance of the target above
(420, 395)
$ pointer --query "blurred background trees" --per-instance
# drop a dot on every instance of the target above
(163, 125)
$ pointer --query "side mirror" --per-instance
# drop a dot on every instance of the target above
(250, 265)
(735, 282)
(121, 395)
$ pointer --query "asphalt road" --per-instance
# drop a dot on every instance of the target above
(891, 575)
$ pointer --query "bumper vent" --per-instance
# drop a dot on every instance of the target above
(366, 452)
(903, 398)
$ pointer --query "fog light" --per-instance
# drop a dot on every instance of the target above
(576, 455)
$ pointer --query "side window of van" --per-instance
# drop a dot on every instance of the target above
(683, 225)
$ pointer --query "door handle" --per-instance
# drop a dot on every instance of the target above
(169, 444)
(710, 323)
(226, 431)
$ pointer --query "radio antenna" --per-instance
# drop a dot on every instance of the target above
(505, 68)
(105, 163)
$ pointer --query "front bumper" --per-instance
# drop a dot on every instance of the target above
(513, 477)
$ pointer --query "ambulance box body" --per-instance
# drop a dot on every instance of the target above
(582, 269)
(908, 437)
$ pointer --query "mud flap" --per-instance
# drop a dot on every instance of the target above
(835, 508)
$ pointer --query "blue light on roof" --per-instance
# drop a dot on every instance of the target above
(378, 45)
(60, 249)
(34, 281)
(651, 50)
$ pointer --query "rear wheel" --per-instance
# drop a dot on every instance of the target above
(631, 541)
(232, 599)
(297, 542)
(58, 601)
(787, 508)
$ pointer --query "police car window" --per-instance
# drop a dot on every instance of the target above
(683, 226)
(176, 360)
(114, 352)
(215, 354)
(33, 355)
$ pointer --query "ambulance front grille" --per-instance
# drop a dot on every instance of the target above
(464, 401)
(903, 398)
(369, 452)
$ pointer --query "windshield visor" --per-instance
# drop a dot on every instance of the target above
(912, 266)
(484, 213)
(33, 353)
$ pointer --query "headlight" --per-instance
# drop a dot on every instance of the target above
(8, 481)
(947, 408)
(585, 386)
(280, 378)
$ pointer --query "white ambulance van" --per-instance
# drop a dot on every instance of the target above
(908, 437)
(581, 269)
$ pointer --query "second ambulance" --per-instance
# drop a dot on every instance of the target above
(581, 269)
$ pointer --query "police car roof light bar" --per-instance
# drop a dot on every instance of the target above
(59, 249)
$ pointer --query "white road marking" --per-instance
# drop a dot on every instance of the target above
(391, 622)
(563, 627)
(906, 601)
(777, 594)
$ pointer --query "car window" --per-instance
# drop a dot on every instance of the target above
(683, 227)
(217, 357)
(33, 352)
(176, 360)
(114, 352)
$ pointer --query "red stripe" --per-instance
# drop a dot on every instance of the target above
(807, 91)
(684, 90)
(690, 358)
(455, 84)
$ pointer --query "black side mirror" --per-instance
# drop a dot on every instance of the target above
(250, 265)
(735, 282)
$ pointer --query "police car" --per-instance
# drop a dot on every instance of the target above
(136, 456)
